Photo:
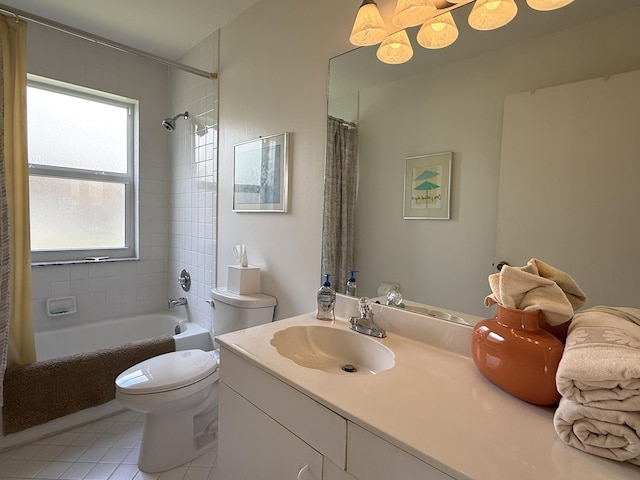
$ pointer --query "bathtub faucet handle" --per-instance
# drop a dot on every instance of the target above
(174, 302)
(184, 280)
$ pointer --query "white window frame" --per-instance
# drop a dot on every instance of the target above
(129, 179)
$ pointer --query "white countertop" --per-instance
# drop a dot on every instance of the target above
(433, 403)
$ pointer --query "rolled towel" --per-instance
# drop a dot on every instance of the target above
(600, 366)
(526, 288)
(606, 433)
(567, 284)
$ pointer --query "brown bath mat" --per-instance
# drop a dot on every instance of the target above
(42, 391)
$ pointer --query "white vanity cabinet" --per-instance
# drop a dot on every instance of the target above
(269, 430)
(430, 417)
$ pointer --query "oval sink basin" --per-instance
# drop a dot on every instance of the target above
(332, 350)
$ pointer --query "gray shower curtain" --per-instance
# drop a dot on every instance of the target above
(340, 192)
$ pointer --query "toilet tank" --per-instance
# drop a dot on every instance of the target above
(232, 311)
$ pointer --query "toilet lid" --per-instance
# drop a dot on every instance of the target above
(167, 372)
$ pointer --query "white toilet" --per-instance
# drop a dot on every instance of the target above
(178, 391)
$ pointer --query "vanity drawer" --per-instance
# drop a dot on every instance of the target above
(370, 457)
(318, 426)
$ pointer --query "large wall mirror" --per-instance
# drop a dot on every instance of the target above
(453, 100)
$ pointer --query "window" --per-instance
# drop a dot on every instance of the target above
(81, 173)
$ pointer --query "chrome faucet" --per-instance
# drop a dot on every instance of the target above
(365, 324)
(394, 298)
(174, 302)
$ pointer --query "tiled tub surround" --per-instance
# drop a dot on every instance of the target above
(192, 180)
(433, 405)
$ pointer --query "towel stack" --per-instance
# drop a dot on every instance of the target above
(599, 380)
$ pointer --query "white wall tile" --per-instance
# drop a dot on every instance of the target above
(192, 165)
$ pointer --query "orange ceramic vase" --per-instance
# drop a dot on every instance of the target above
(513, 352)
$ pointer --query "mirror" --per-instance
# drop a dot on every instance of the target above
(452, 100)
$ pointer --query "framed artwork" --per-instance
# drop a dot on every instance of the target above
(260, 174)
(427, 187)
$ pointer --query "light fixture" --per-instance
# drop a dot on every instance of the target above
(410, 13)
(545, 5)
(438, 32)
(396, 48)
(369, 28)
(492, 14)
(438, 28)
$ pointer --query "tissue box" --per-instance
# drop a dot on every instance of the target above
(243, 280)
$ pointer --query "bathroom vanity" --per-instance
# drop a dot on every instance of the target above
(426, 412)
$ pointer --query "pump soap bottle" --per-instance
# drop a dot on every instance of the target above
(351, 283)
(326, 300)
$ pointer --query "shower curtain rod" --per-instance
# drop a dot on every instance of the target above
(19, 14)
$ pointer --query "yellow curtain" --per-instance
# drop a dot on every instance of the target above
(13, 39)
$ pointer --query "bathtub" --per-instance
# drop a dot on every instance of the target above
(95, 336)
(111, 333)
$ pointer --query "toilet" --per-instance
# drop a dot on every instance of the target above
(178, 391)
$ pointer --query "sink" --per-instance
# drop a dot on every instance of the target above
(437, 314)
(332, 350)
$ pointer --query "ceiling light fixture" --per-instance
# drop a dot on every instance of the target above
(545, 5)
(396, 48)
(438, 32)
(492, 14)
(438, 28)
(369, 28)
(410, 13)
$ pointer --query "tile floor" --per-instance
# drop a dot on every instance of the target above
(103, 450)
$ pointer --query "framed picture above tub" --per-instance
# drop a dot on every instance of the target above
(427, 187)
(260, 174)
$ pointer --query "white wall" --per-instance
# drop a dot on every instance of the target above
(273, 78)
(111, 289)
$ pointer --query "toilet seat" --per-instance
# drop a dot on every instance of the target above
(166, 372)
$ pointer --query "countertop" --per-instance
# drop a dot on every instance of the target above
(433, 404)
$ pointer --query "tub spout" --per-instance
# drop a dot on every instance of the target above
(174, 302)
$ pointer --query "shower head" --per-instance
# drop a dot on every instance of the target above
(170, 123)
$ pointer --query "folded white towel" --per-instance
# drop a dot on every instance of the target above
(606, 433)
(536, 286)
(600, 366)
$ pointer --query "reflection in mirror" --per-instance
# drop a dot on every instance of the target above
(453, 100)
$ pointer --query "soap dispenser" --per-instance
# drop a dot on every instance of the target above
(326, 300)
(351, 284)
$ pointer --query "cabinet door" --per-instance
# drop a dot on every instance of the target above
(330, 471)
(252, 445)
(322, 429)
(372, 458)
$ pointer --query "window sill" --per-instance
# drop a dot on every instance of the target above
(85, 261)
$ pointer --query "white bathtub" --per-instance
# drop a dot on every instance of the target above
(111, 333)
(94, 336)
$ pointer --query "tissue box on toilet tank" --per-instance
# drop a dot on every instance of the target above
(243, 280)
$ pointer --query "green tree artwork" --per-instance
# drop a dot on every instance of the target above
(424, 194)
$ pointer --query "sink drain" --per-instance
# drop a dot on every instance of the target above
(349, 368)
